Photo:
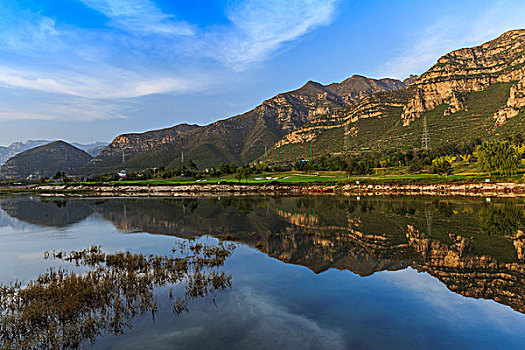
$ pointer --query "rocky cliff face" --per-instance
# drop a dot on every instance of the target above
(467, 274)
(467, 70)
(128, 145)
(377, 105)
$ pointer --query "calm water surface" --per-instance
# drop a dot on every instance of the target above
(308, 272)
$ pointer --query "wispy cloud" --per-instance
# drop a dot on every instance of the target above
(49, 106)
(4, 116)
(140, 16)
(151, 52)
(102, 82)
(24, 30)
(451, 33)
(260, 27)
(255, 320)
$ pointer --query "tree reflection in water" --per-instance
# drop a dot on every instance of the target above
(62, 310)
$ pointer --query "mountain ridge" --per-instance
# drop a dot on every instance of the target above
(469, 95)
(237, 138)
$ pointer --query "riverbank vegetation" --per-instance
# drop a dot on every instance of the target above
(63, 310)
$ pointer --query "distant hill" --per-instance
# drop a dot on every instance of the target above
(45, 160)
(239, 137)
(92, 148)
(17, 147)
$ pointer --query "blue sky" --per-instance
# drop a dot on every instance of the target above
(88, 70)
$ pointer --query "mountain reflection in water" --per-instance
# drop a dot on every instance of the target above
(476, 248)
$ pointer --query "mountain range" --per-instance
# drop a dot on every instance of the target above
(468, 95)
(237, 138)
(471, 93)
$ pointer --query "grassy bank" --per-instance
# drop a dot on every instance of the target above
(329, 177)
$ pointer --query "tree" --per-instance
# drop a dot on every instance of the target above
(242, 173)
(443, 165)
(499, 156)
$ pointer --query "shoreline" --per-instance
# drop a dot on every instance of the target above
(503, 189)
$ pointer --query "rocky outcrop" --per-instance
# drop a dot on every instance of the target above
(378, 105)
(519, 244)
(127, 145)
(469, 275)
(458, 82)
(467, 70)
(515, 103)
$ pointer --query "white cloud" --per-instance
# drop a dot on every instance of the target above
(452, 33)
(140, 16)
(260, 27)
(100, 82)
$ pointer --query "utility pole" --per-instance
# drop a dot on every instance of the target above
(265, 155)
(294, 156)
(311, 157)
(426, 139)
(345, 147)
(182, 158)
(123, 157)
(279, 149)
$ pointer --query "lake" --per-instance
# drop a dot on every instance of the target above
(319, 272)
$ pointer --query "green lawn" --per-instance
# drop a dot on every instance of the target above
(466, 173)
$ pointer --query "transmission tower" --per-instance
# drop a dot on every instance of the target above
(426, 138)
